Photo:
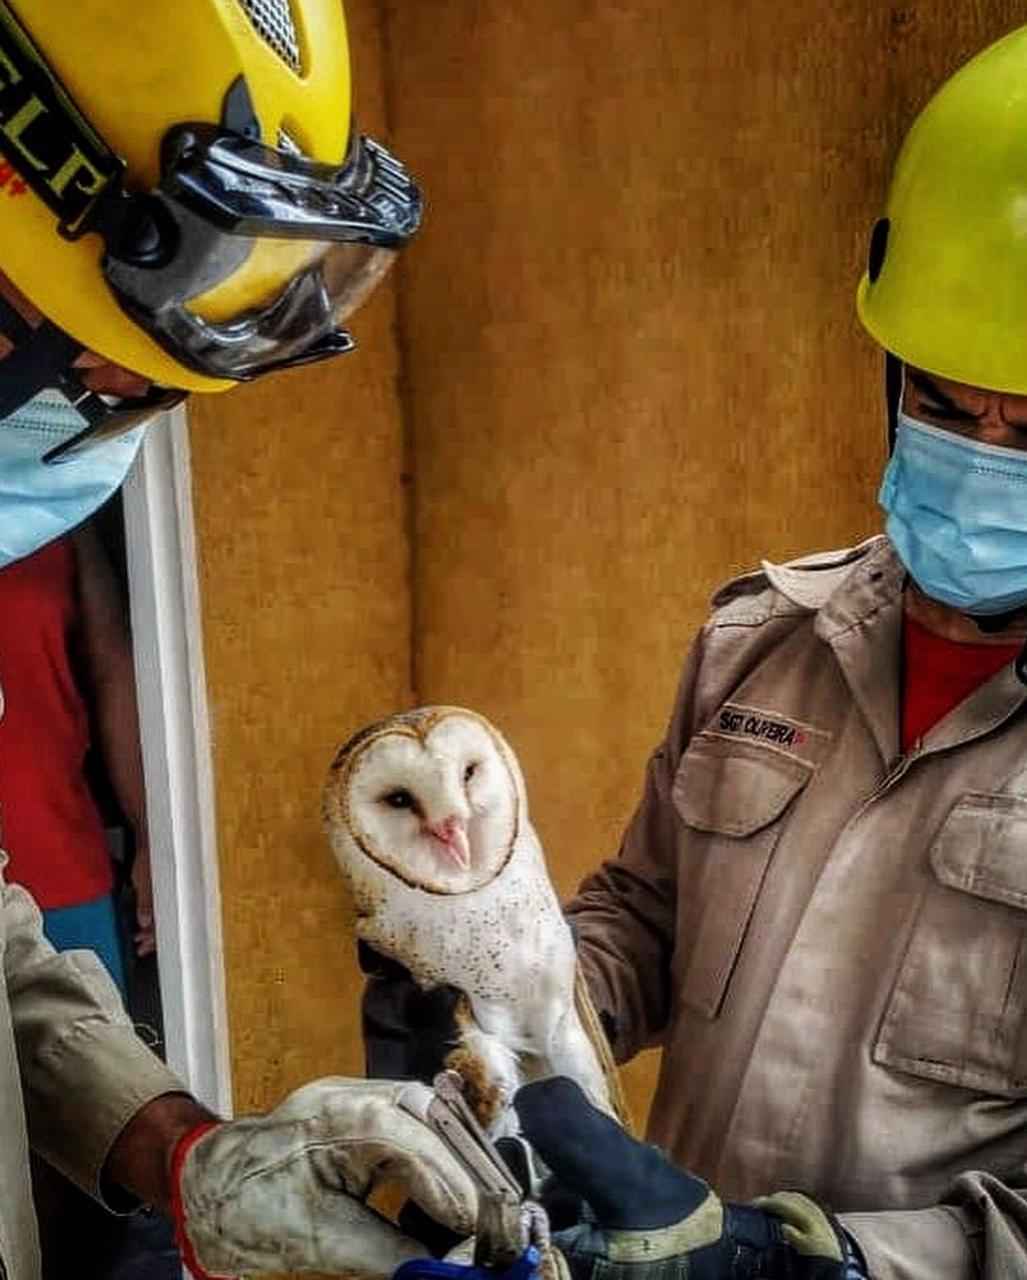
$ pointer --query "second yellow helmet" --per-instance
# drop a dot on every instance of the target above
(946, 284)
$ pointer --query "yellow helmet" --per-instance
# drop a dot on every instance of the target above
(946, 285)
(180, 191)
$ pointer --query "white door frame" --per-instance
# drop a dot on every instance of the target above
(175, 732)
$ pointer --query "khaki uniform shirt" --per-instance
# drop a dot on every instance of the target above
(828, 937)
(69, 1062)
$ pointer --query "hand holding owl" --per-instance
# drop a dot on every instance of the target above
(427, 815)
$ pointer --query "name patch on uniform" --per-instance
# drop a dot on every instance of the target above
(768, 728)
(750, 725)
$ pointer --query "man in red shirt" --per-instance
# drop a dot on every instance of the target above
(66, 662)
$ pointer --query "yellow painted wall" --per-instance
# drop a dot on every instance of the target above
(630, 368)
(304, 580)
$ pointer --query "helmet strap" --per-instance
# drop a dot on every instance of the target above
(991, 622)
(894, 382)
(56, 151)
(13, 324)
(1020, 665)
(41, 358)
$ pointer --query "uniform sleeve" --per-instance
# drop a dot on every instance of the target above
(84, 1072)
(978, 1233)
(624, 915)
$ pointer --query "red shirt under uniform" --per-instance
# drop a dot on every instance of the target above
(49, 823)
(940, 673)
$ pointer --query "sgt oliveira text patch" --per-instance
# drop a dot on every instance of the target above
(767, 728)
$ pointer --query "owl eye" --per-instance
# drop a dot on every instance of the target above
(399, 799)
(470, 771)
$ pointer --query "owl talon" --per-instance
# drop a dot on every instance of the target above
(488, 1100)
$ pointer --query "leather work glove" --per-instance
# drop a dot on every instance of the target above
(651, 1219)
(282, 1192)
(407, 1032)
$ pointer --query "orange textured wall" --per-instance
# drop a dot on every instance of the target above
(304, 579)
(630, 368)
(631, 351)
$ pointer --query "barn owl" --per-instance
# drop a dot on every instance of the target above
(427, 815)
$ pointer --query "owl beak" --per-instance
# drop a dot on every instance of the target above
(452, 835)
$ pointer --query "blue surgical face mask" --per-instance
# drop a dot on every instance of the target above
(38, 501)
(957, 516)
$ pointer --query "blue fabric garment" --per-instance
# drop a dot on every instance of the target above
(957, 515)
(93, 926)
(39, 502)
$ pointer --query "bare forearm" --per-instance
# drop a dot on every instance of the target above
(118, 731)
(107, 652)
(140, 1160)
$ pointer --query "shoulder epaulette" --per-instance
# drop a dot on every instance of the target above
(804, 585)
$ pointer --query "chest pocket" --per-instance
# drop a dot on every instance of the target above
(732, 798)
(958, 1010)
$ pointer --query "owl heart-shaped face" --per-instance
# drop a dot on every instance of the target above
(435, 804)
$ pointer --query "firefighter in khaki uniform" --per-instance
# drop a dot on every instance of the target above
(820, 907)
(182, 205)
(819, 910)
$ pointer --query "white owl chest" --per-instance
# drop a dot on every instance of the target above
(506, 941)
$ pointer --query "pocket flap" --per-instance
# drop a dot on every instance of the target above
(982, 848)
(733, 788)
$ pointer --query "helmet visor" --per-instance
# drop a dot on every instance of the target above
(248, 259)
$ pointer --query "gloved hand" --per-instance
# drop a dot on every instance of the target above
(282, 1192)
(651, 1218)
(407, 1032)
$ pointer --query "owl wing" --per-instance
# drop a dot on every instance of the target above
(593, 1031)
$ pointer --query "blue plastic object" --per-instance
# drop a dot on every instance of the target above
(525, 1268)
